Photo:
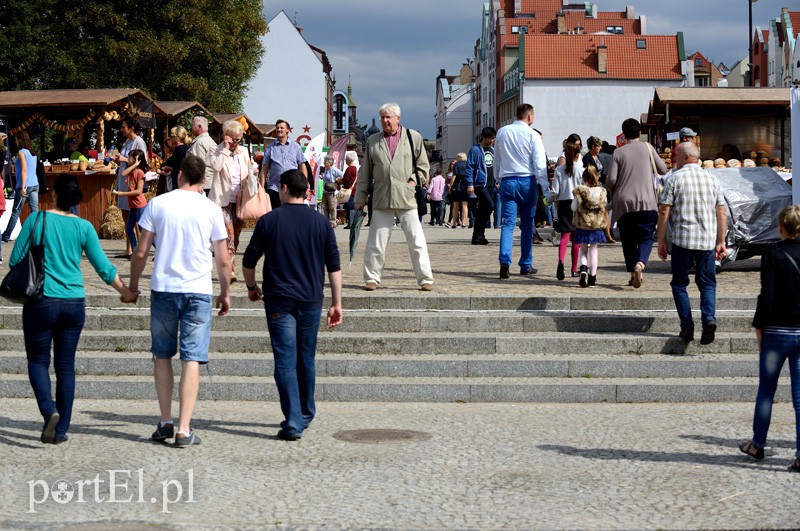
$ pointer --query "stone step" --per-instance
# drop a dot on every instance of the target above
(435, 301)
(455, 366)
(413, 321)
(345, 389)
(426, 343)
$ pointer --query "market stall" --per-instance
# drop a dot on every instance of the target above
(254, 136)
(731, 123)
(182, 113)
(91, 115)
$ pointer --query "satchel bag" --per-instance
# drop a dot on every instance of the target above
(253, 202)
(343, 195)
(25, 281)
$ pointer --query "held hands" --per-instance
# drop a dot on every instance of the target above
(129, 296)
(334, 316)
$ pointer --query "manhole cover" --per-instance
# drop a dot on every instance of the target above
(381, 436)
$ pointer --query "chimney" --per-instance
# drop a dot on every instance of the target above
(562, 23)
(601, 59)
(630, 12)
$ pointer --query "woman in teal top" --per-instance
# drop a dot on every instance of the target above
(27, 183)
(58, 319)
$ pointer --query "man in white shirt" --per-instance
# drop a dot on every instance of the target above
(519, 163)
(202, 146)
(186, 223)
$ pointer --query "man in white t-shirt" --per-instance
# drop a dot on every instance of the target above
(186, 224)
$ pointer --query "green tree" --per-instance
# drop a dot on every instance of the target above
(199, 50)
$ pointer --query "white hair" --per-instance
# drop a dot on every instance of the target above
(232, 127)
(350, 156)
(389, 108)
(201, 121)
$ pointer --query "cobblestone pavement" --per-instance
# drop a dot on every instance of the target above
(594, 466)
(460, 268)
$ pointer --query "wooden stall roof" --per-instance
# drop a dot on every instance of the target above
(68, 98)
(721, 96)
(268, 129)
(220, 118)
(176, 108)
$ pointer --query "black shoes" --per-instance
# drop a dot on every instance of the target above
(504, 271)
(686, 335)
(560, 271)
(480, 241)
(750, 449)
(529, 271)
(592, 281)
(584, 281)
(286, 436)
(709, 329)
(49, 429)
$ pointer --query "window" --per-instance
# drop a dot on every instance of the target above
(698, 62)
(514, 29)
(701, 82)
(641, 44)
(618, 30)
(609, 29)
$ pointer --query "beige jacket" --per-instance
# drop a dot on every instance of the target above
(389, 176)
(202, 146)
(222, 163)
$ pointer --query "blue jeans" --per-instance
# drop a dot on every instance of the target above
(705, 277)
(31, 197)
(134, 215)
(636, 230)
(293, 335)
(57, 323)
(775, 349)
(517, 194)
(498, 208)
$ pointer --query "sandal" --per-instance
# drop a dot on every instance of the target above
(753, 451)
(795, 466)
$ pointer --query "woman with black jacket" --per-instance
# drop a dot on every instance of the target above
(777, 324)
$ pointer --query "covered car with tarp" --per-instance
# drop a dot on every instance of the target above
(754, 197)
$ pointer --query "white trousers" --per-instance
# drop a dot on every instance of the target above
(380, 229)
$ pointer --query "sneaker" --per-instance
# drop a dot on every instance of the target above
(188, 440)
(504, 271)
(49, 429)
(286, 436)
(574, 274)
(592, 281)
(584, 281)
(370, 286)
(59, 440)
(560, 271)
(529, 271)
(167, 431)
(480, 241)
(709, 330)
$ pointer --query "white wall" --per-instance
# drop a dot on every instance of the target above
(290, 83)
(457, 120)
(587, 107)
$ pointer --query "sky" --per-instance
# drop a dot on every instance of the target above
(393, 50)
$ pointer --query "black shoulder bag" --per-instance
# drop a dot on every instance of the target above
(413, 154)
(25, 281)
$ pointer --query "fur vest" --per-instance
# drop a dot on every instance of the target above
(591, 211)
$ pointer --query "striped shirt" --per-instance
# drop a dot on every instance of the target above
(694, 194)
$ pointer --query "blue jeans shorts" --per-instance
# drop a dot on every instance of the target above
(189, 312)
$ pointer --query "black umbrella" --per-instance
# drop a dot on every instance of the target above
(355, 230)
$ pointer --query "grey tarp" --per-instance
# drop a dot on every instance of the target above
(754, 196)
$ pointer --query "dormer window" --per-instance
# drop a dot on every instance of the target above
(641, 44)
(698, 62)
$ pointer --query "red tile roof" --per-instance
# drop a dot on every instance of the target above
(573, 19)
(575, 57)
(544, 9)
(794, 16)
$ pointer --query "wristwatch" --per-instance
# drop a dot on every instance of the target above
(251, 288)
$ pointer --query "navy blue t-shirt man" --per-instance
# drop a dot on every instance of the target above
(298, 245)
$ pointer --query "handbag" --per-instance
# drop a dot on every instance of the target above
(25, 281)
(253, 202)
(343, 195)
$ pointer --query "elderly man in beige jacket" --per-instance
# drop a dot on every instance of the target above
(391, 158)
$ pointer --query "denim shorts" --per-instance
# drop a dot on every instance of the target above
(188, 312)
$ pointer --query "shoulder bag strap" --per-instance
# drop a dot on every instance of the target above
(414, 155)
(796, 268)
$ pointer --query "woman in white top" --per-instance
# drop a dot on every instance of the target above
(567, 176)
(231, 163)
